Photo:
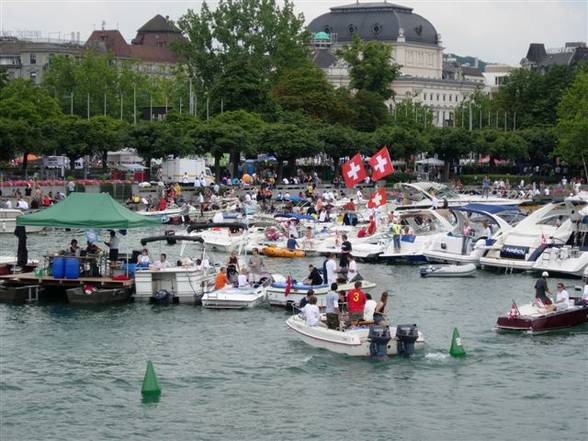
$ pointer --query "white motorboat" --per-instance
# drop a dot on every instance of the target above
(521, 248)
(570, 258)
(454, 247)
(8, 221)
(277, 296)
(424, 226)
(423, 195)
(185, 283)
(234, 298)
(225, 236)
(360, 341)
(467, 270)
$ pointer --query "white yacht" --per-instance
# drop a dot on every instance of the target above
(235, 298)
(185, 283)
(424, 195)
(453, 247)
(552, 226)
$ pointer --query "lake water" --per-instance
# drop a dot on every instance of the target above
(71, 374)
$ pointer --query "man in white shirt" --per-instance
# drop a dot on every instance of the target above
(162, 263)
(332, 307)
(311, 312)
(369, 308)
(242, 280)
(197, 183)
(351, 269)
(331, 269)
(185, 178)
(8, 204)
(22, 204)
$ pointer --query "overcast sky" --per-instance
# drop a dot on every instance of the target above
(495, 31)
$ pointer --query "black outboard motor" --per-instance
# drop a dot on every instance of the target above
(406, 335)
(379, 336)
(162, 297)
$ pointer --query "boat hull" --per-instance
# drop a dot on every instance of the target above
(354, 343)
(76, 296)
(277, 294)
(468, 270)
(569, 318)
(234, 298)
(186, 284)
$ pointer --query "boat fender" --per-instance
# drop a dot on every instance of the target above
(379, 336)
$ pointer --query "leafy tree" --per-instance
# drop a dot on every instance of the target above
(501, 145)
(106, 134)
(451, 144)
(371, 67)
(338, 141)
(541, 142)
(402, 143)
(306, 89)
(572, 123)
(27, 107)
(69, 136)
(3, 78)
(411, 114)
(371, 112)
(152, 140)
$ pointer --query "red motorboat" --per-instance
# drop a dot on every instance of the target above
(537, 318)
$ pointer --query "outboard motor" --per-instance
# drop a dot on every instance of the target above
(406, 335)
(162, 297)
(379, 336)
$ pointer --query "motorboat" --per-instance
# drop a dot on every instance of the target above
(569, 258)
(278, 295)
(359, 341)
(235, 298)
(455, 247)
(81, 296)
(420, 228)
(554, 225)
(429, 194)
(535, 318)
(8, 221)
(225, 236)
(185, 284)
(467, 270)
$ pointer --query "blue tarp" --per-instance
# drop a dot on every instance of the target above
(294, 216)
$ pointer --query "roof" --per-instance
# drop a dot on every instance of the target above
(375, 21)
(87, 210)
(159, 23)
(111, 40)
(151, 53)
(471, 71)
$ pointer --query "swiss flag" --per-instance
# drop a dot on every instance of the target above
(288, 286)
(381, 164)
(378, 198)
(353, 171)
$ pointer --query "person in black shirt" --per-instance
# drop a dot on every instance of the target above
(314, 277)
(306, 299)
(345, 251)
(541, 289)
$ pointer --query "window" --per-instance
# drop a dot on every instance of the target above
(431, 98)
(33, 59)
(437, 97)
(450, 97)
(443, 97)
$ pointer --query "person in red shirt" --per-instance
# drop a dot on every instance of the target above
(355, 303)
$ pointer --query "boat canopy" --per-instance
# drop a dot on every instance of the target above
(294, 216)
(87, 210)
(486, 208)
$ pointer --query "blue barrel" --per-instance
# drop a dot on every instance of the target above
(130, 268)
(58, 267)
(72, 268)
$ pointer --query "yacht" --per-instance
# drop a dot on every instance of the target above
(554, 225)
(453, 247)
(424, 194)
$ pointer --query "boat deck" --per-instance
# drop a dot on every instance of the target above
(31, 279)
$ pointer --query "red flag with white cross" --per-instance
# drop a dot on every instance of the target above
(353, 171)
(378, 198)
(381, 164)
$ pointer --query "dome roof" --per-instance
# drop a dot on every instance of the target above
(375, 21)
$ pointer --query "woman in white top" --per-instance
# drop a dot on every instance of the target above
(144, 259)
(351, 269)
(242, 280)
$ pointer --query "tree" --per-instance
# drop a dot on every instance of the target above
(106, 134)
(410, 114)
(371, 66)
(288, 142)
(3, 78)
(268, 37)
(402, 143)
(370, 111)
(338, 141)
(69, 136)
(451, 144)
(306, 89)
(542, 142)
(27, 107)
(572, 123)
(501, 145)
(152, 140)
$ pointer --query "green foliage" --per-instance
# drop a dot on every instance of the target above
(3, 78)
(371, 67)
(402, 143)
(502, 145)
(572, 122)
(371, 112)
(411, 114)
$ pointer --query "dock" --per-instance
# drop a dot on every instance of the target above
(32, 279)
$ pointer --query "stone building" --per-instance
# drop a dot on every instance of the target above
(28, 56)
(540, 59)
(151, 47)
(414, 44)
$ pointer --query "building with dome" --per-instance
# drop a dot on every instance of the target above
(414, 43)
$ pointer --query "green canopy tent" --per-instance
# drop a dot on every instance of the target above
(87, 210)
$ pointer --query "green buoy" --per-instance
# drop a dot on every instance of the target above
(150, 387)
(456, 349)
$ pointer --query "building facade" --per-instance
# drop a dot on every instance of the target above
(151, 48)
(414, 44)
(29, 58)
(540, 58)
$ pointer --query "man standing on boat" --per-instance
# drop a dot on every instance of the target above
(541, 290)
(355, 303)
(332, 307)
(396, 230)
(113, 246)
